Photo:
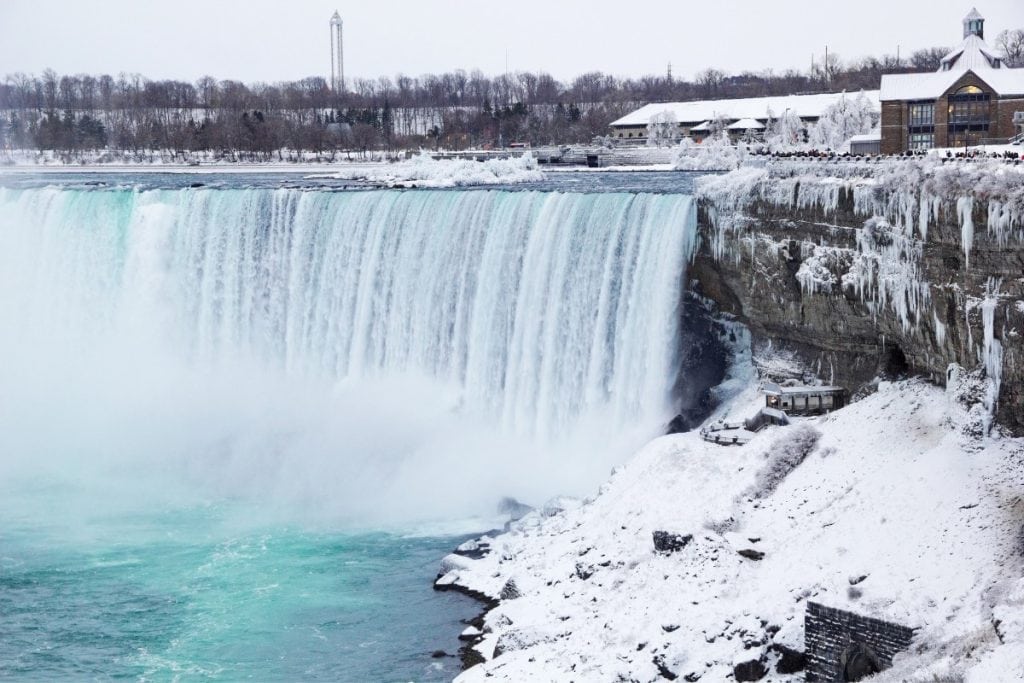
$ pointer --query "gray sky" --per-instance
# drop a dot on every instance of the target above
(266, 40)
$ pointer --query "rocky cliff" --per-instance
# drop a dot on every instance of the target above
(867, 270)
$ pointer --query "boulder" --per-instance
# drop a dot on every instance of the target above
(752, 670)
(790, 661)
(510, 591)
(667, 542)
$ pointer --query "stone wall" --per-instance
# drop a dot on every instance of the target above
(838, 643)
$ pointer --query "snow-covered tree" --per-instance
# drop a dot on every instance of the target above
(662, 129)
(785, 132)
(841, 120)
(716, 153)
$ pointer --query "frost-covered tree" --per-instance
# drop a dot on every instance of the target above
(716, 153)
(785, 132)
(841, 120)
(662, 129)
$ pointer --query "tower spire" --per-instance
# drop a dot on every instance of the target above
(337, 53)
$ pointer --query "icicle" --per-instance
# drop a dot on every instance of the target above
(992, 348)
(964, 212)
(922, 225)
(940, 329)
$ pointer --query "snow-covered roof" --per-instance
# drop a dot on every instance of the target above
(973, 53)
(973, 14)
(930, 85)
(703, 126)
(873, 136)
(772, 388)
(804, 106)
(747, 124)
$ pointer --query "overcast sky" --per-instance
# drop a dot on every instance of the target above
(267, 40)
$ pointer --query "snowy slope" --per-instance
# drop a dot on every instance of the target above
(892, 491)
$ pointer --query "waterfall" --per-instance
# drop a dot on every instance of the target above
(532, 315)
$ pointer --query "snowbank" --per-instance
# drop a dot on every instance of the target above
(423, 171)
(893, 512)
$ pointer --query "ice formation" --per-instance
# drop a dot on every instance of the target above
(899, 201)
(424, 171)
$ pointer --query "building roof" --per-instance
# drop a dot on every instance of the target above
(873, 136)
(775, 389)
(972, 54)
(928, 86)
(805, 106)
(701, 126)
(747, 124)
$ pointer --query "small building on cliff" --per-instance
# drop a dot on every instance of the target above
(971, 100)
(804, 400)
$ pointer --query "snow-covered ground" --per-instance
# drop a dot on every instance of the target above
(887, 508)
(424, 171)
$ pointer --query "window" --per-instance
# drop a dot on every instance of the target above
(922, 140)
(968, 116)
(922, 114)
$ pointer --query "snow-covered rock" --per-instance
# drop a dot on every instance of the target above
(886, 514)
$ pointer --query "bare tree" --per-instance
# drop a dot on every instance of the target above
(1011, 44)
(928, 59)
(710, 80)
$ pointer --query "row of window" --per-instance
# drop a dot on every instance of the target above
(967, 119)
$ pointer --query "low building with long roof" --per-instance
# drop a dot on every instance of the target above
(695, 118)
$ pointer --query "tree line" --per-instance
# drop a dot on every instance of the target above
(130, 114)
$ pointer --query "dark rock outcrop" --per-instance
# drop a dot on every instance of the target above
(790, 661)
(753, 670)
(664, 671)
(665, 542)
(703, 362)
(850, 336)
(510, 591)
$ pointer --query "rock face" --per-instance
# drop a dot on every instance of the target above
(864, 276)
(702, 365)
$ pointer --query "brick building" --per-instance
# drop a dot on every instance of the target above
(970, 100)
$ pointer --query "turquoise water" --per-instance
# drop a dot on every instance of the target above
(189, 595)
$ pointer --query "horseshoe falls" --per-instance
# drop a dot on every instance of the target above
(239, 426)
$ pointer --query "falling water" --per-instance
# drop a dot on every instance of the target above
(223, 411)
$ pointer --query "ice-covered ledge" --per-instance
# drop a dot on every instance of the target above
(892, 507)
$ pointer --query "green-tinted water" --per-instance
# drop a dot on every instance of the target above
(193, 595)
